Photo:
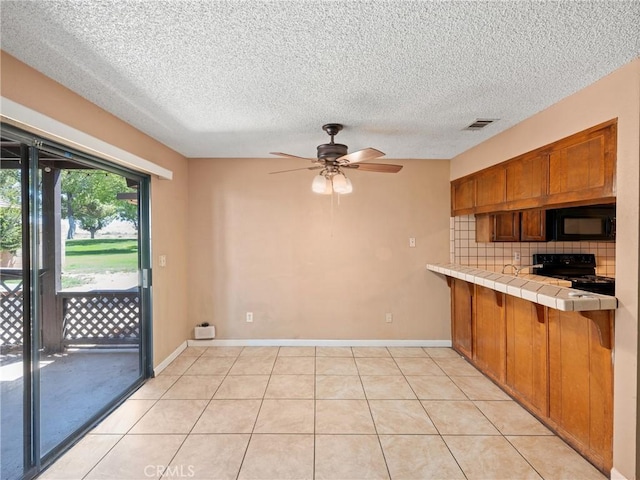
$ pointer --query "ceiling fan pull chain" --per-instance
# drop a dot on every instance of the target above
(332, 194)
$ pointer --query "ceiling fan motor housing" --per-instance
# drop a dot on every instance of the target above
(331, 151)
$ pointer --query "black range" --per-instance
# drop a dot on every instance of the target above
(578, 268)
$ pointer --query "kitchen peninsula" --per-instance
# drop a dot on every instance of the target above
(548, 346)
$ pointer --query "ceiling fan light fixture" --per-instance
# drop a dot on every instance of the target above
(343, 188)
(349, 188)
(339, 183)
(320, 184)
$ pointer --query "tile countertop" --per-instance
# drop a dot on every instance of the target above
(550, 292)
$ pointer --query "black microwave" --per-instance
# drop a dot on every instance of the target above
(596, 223)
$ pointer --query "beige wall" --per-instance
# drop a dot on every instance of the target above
(28, 87)
(307, 270)
(617, 95)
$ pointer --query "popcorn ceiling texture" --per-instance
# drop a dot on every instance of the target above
(241, 79)
(493, 256)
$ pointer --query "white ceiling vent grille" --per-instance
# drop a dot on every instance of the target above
(480, 123)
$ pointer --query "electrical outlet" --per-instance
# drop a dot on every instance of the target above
(162, 260)
(412, 242)
(516, 256)
(249, 317)
(388, 317)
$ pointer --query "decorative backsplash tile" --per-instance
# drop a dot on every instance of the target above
(493, 256)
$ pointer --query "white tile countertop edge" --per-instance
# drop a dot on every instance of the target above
(546, 291)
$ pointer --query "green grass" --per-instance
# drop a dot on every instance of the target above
(101, 255)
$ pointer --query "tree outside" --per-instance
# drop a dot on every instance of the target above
(89, 199)
(10, 214)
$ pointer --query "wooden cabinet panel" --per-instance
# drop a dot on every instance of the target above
(484, 228)
(463, 194)
(527, 179)
(491, 187)
(581, 382)
(583, 167)
(527, 226)
(507, 227)
(489, 339)
(462, 315)
(527, 353)
(533, 226)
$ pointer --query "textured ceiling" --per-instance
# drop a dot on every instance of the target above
(243, 78)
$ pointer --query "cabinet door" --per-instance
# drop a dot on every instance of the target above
(463, 194)
(506, 227)
(499, 227)
(527, 180)
(583, 167)
(461, 316)
(490, 189)
(484, 228)
(581, 381)
(527, 353)
(533, 226)
(489, 333)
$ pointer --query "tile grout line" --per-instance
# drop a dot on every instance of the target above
(255, 422)
(434, 424)
(375, 427)
(194, 423)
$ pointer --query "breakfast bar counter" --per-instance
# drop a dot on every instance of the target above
(547, 291)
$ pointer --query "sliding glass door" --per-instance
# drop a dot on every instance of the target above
(75, 296)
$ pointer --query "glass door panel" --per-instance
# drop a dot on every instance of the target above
(14, 304)
(74, 314)
(90, 347)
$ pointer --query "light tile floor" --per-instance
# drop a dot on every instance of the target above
(272, 413)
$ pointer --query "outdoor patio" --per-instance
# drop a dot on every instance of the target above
(90, 355)
(74, 385)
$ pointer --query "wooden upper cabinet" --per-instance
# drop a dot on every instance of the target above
(506, 227)
(490, 189)
(533, 226)
(527, 180)
(577, 170)
(463, 196)
(583, 166)
(527, 226)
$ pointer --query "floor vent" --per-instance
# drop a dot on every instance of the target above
(480, 123)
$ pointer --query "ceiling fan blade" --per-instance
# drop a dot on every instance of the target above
(375, 167)
(280, 154)
(360, 156)
(296, 169)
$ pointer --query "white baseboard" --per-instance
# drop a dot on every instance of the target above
(165, 363)
(616, 475)
(316, 343)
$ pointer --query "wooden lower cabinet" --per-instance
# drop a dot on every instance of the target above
(489, 335)
(461, 315)
(556, 364)
(581, 382)
(527, 366)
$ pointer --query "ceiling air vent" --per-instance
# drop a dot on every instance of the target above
(480, 123)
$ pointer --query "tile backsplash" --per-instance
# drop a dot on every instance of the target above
(493, 256)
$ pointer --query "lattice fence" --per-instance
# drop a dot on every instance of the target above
(11, 318)
(101, 318)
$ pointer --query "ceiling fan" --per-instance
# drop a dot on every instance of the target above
(333, 158)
